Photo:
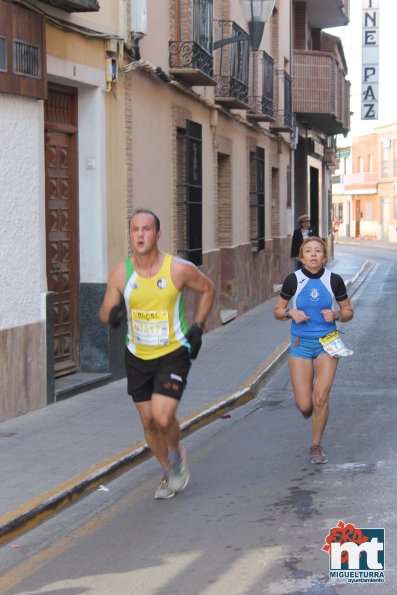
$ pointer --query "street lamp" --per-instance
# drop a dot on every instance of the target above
(256, 13)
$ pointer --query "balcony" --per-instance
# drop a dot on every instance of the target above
(261, 106)
(322, 14)
(320, 92)
(361, 183)
(260, 109)
(284, 118)
(190, 49)
(74, 5)
(330, 157)
(191, 63)
(231, 65)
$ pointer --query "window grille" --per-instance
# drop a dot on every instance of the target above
(189, 193)
(289, 188)
(3, 54)
(257, 199)
(26, 59)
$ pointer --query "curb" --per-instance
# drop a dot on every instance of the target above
(33, 513)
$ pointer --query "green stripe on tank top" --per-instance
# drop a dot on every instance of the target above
(129, 269)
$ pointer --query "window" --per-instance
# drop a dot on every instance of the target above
(225, 207)
(202, 23)
(257, 199)
(289, 188)
(395, 208)
(3, 54)
(189, 193)
(337, 209)
(26, 59)
(22, 52)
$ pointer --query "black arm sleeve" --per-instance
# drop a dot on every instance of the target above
(289, 287)
(338, 287)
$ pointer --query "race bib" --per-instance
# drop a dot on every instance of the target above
(334, 346)
(151, 328)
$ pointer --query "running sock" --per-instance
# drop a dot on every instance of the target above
(174, 456)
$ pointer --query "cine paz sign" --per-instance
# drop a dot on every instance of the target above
(370, 60)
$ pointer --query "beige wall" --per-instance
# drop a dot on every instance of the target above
(116, 186)
(75, 48)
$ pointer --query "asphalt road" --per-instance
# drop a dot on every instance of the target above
(256, 513)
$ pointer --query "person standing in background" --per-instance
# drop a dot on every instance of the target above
(300, 233)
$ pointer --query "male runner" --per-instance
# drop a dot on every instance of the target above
(148, 288)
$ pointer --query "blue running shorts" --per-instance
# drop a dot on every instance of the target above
(305, 348)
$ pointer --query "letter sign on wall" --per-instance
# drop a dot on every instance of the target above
(370, 60)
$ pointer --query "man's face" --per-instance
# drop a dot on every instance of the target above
(306, 224)
(143, 234)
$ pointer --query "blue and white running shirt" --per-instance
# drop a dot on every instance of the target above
(313, 292)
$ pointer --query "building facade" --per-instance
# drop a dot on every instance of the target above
(321, 102)
(365, 186)
(178, 106)
(60, 158)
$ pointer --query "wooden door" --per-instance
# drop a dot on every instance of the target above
(357, 216)
(62, 225)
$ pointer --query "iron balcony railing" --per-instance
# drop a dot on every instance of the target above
(231, 55)
(190, 53)
(283, 115)
(261, 106)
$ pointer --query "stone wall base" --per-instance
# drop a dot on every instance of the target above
(23, 372)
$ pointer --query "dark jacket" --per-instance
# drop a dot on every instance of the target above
(297, 240)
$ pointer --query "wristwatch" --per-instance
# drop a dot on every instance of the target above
(287, 314)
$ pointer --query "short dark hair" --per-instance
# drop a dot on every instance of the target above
(148, 212)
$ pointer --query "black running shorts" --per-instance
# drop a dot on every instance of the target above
(166, 375)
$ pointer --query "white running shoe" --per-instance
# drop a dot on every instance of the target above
(179, 474)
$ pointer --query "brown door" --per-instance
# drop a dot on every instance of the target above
(357, 216)
(61, 224)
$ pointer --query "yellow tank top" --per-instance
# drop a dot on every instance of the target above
(155, 312)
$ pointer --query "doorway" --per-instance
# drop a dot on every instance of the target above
(314, 198)
(357, 216)
(62, 237)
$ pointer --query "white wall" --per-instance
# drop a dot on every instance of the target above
(92, 166)
(92, 186)
(22, 227)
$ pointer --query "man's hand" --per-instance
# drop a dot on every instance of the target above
(194, 335)
(117, 314)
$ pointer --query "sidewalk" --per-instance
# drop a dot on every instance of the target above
(53, 456)
(365, 243)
